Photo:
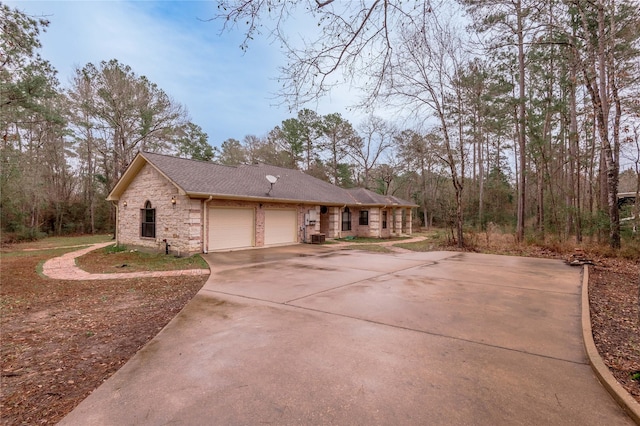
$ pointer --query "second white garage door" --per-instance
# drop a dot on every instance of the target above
(231, 228)
(280, 227)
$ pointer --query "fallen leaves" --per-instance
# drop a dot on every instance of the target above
(62, 339)
(614, 298)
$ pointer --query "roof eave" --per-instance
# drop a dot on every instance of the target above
(259, 199)
(267, 199)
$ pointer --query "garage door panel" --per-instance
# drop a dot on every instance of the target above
(280, 227)
(231, 228)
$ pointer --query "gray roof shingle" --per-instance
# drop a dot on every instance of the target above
(364, 196)
(205, 178)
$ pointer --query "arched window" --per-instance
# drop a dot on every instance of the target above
(148, 221)
(346, 219)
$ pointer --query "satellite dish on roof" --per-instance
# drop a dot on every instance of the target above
(272, 180)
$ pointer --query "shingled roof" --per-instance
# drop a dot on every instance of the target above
(364, 196)
(204, 179)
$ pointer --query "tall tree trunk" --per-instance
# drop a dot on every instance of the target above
(521, 124)
(519, 169)
(481, 180)
(424, 190)
(574, 149)
(613, 164)
(599, 84)
(540, 198)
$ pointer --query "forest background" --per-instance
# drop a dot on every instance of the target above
(519, 121)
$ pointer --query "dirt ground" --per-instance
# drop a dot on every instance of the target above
(614, 292)
(61, 339)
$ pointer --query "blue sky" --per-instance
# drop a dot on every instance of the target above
(227, 92)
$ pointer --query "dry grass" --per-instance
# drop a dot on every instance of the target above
(62, 339)
(493, 241)
(108, 260)
(376, 248)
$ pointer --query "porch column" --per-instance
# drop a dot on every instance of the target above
(374, 223)
(409, 222)
(397, 214)
(334, 222)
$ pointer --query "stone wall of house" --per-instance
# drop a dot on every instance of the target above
(374, 228)
(180, 224)
(334, 222)
(354, 223)
(374, 223)
(408, 226)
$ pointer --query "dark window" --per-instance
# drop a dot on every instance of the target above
(346, 219)
(384, 219)
(364, 217)
(148, 225)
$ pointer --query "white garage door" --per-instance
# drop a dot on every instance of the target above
(231, 228)
(280, 227)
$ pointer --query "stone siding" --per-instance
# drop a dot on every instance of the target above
(397, 224)
(180, 224)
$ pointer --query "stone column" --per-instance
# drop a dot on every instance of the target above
(374, 223)
(397, 214)
(334, 222)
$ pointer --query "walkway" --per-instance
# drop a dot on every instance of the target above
(64, 268)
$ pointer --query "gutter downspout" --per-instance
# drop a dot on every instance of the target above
(205, 226)
(116, 231)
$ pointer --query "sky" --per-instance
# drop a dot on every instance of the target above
(228, 92)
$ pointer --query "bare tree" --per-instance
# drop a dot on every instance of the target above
(132, 113)
(355, 42)
(426, 79)
(377, 46)
(376, 137)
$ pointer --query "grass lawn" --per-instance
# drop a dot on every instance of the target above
(115, 259)
(363, 240)
(370, 247)
(58, 242)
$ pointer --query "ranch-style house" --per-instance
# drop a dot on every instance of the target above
(187, 206)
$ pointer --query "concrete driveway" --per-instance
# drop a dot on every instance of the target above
(310, 335)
